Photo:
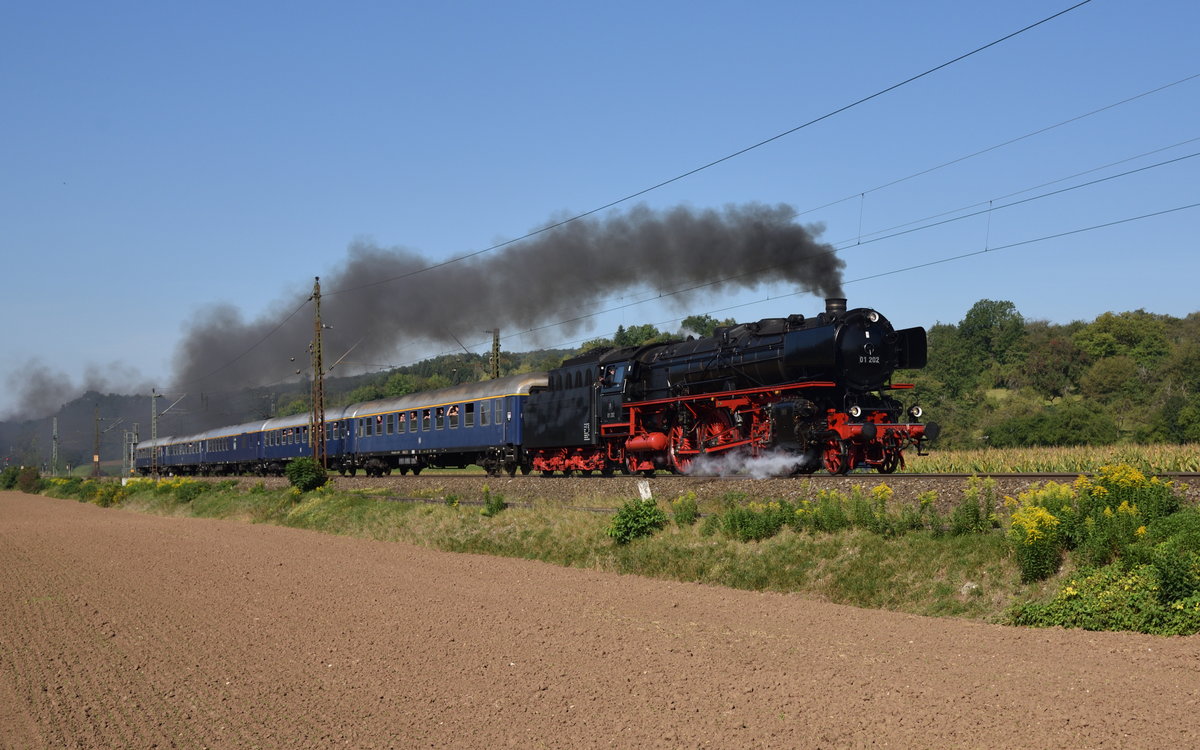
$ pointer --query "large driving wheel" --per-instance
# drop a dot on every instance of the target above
(679, 450)
(837, 457)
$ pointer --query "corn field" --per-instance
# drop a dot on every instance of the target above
(1150, 459)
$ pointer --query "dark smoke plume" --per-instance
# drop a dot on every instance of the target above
(37, 390)
(557, 275)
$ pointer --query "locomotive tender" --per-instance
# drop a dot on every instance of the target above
(811, 392)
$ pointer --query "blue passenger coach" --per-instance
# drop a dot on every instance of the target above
(475, 423)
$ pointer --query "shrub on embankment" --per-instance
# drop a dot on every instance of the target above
(862, 548)
(1135, 549)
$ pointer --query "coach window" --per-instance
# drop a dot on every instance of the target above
(485, 411)
(452, 412)
(469, 418)
(424, 420)
(439, 418)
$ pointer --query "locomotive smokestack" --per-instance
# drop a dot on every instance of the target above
(835, 305)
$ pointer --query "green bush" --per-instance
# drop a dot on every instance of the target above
(8, 477)
(1114, 598)
(492, 503)
(188, 490)
(756, 521)
(827, 514)
(1034, 537)
(1121, 483)
(636, 518)
(1172, 546)
(306, 474)
(107, 494)
(29, 480)
(975, 513)
(1106, 534)
(685, 509)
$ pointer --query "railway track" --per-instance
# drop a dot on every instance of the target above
(1040, 476)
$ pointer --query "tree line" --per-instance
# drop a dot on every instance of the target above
(995, 378)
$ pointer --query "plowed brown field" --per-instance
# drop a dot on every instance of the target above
(120, 630)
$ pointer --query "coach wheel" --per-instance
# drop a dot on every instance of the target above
(417, 470)
(352, 471)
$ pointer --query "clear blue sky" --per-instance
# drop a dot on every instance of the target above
(159, 158)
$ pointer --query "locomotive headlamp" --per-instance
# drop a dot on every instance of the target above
(915, 412)
(873, 316)
(855, 411)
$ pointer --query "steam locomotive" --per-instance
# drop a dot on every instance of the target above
(811, 392)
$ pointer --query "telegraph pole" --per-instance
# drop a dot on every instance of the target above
(54, 450)
(154, 397)
(96, 444)
(316, 421)
(495, 353)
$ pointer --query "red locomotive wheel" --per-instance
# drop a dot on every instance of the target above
(891, 461)
(680, 464)
(714, 429)
(837, 458)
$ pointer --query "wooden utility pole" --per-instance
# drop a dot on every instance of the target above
(495, 353)
(154, 397)
(54, 450)
(316, 421)
(96, 443)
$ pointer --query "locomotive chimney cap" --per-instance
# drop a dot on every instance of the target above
(835, 305)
